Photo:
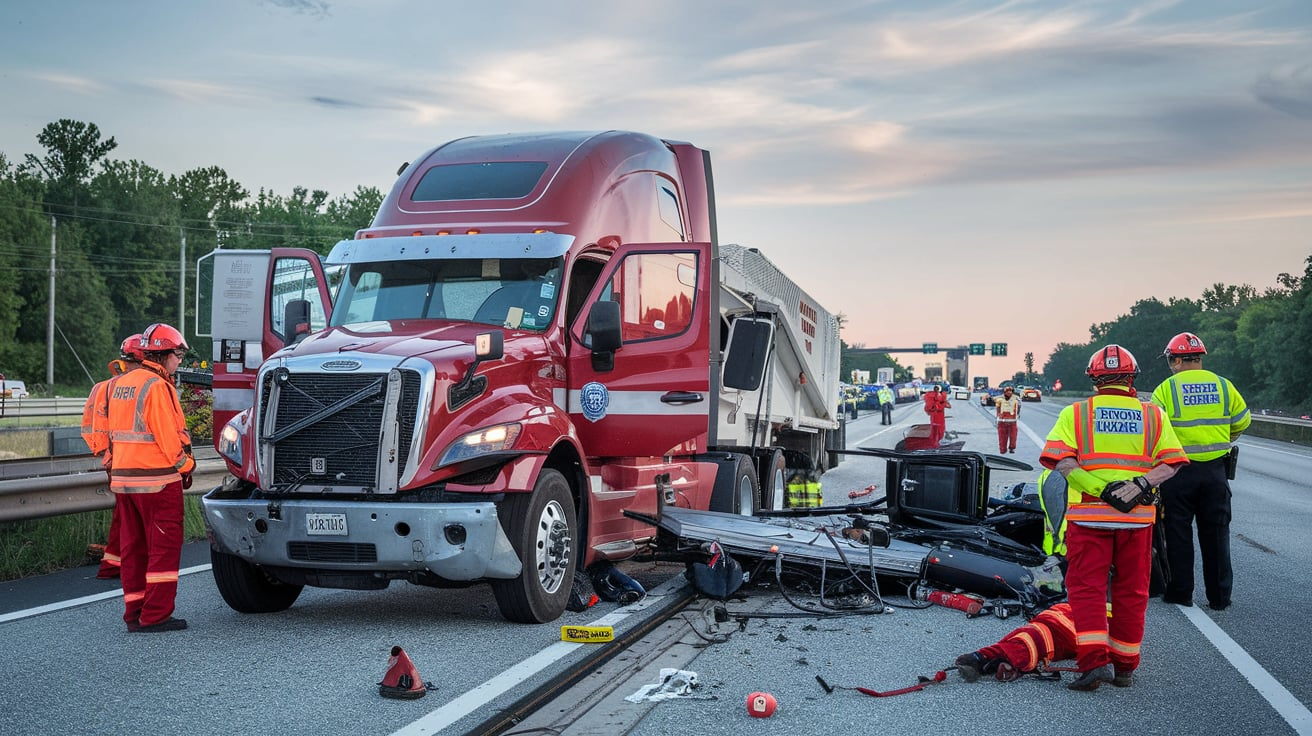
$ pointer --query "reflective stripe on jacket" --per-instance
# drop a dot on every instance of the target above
(1205, 410)
(97, 441)
(95, 431)
(1113, 436)
(1007, 409)
(147, 432)
(803, 492)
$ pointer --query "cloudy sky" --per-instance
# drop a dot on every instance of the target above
(950, 172)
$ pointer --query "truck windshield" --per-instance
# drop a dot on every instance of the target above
(516, 293)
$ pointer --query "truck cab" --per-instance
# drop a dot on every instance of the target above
(526, 342)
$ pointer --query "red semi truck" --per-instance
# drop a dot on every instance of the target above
(536, 333)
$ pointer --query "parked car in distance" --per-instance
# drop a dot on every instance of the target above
(1030, 393)
(13, 390)
(961, 392)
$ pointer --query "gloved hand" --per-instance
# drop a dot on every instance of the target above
(1124, 495)
(186, 481)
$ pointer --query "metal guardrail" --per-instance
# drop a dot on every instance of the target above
(40, 410)
(1288, 429)
(36, 489)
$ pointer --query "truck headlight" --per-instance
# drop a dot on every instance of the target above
(484, 441)
(229, 445)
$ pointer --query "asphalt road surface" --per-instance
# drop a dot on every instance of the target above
(70, 666)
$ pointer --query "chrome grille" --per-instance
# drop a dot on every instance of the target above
(341, 450)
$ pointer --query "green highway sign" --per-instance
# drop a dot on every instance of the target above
(929, 348)
(977, 348)
(1000, 349)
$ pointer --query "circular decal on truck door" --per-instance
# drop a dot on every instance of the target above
(594, 397)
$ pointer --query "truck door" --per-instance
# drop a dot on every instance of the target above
(248, 291)
(655, 400)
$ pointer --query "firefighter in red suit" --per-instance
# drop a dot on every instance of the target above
(935, 403)
(1049, 637)
(152, 464)
(1111, 442)
(96, 434)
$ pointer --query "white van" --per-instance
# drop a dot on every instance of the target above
(13, 389)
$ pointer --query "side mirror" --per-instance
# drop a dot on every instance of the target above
(747, 352)
(603, 333)
(487, 346)
(296, 320)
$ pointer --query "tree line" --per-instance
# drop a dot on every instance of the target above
(1260, 341)
(118, 230)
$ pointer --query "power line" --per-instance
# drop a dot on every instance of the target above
(213, 227)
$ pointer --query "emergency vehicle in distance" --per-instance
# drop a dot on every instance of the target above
(536, 333)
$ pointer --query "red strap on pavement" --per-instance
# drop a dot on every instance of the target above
(938, 677)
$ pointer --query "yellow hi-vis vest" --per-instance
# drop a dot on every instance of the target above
(803, 491)
(1206, 412)
(1113, 436)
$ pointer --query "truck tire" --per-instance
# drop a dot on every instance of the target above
(773, 475)
(736, 490)
(248, 589)
(543, 530)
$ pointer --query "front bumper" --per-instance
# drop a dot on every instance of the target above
(456, 541)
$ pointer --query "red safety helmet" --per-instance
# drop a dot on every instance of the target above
(131, 349)
(1185, 343)
(161, 338)
(1112, 363)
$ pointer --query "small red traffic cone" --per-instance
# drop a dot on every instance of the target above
(402, 680)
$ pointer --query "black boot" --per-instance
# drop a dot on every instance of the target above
(1091, 679)
(971, 666)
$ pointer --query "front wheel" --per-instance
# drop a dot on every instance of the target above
(248, 589)
(543, 528)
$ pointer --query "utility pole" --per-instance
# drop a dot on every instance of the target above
(50, 323)
(182, 285)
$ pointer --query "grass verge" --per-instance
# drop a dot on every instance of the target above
(43, 546)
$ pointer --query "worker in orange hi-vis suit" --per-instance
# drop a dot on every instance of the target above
(1048, 637)
(151, 466)
(1114, 450)
(95, 433)
(935, 403)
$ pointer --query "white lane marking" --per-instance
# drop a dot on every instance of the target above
(1294, 712)
(1040, 441)
(1263, 448)
(886, 430)
(84, 600)
(483, 694)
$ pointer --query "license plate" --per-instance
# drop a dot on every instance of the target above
(326, 524)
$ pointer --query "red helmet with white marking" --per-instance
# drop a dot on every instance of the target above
(131, 349)
(1112, 364)
(161, 338)
(1185, 343)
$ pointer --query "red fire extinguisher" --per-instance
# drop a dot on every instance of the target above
(968, 602)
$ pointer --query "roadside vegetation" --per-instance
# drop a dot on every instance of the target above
(118, 228)
(43, 546)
